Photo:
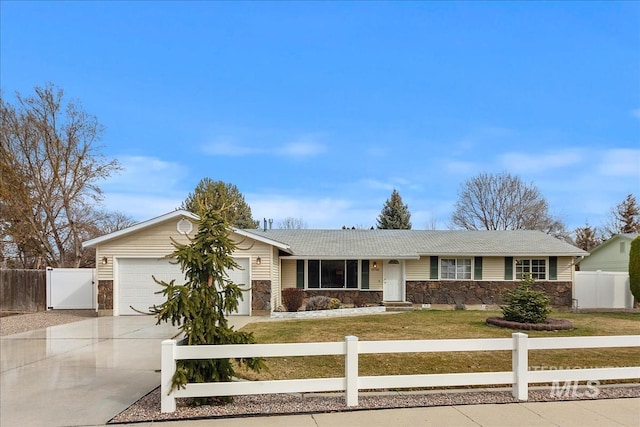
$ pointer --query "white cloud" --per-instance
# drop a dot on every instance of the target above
(620, 162)
(141, 206)
(301, 149)
(318, 213)
(146, 175)
(227, 148)
(538, 162)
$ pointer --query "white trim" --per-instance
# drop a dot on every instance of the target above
(255, 237)
(138, 226)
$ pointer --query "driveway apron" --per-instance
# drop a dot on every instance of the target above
(82, 373)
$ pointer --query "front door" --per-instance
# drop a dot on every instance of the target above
(392, 281)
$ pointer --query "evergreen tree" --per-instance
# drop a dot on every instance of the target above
(395, 215)
(226, 197)
(634, 269)
(201, 305)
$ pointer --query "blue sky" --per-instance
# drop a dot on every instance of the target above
(317, 110)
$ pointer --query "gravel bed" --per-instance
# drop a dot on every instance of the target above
(17, 323)
(148, 408)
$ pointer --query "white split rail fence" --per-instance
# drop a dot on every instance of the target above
(519, 377)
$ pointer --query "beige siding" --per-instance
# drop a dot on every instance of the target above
(288, 273)
(565, 268)
(275, 278)
(492, 268)
(417, 269)
(148, 243)
(255, 250)
(375, 276)
(156, 242)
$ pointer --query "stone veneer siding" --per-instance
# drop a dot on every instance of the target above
(105, 294)
(480, 292)
(347, 296)
(261, 295)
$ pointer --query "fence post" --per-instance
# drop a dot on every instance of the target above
(168, 368)
(520, 366)
(351, 370)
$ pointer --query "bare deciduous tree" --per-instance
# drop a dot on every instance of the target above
(291, 223)
(50, 166)
(503, 202)
(587, 237)
(624, 217)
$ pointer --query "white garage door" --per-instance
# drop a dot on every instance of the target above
(136, 288)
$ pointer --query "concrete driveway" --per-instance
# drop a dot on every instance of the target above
(81, 373)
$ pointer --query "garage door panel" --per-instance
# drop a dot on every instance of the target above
(137, 289)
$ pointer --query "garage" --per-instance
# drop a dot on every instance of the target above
(136, 289)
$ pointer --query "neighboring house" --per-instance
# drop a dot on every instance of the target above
(611, 255)
(449, 268)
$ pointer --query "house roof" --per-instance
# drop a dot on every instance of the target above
(366, 244)
(180, 213)
(411, 244)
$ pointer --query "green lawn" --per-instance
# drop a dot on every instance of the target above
(428, 324)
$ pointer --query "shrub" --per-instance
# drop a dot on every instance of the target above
(334, 304)
(318, 302)
(359, 301)
(634, 268)
(292, 298)
(524, 305)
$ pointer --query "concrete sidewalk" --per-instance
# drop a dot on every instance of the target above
(592, 413)
(81, 373)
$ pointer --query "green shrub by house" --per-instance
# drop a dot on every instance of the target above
(525, 305)
(634, 268)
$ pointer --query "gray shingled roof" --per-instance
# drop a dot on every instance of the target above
(413, 243)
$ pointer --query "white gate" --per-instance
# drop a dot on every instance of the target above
(602, 289)
(71, 288)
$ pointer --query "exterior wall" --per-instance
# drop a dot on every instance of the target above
(467, 292)
(156, 241)
(261, 295)
(375, 275)
(105, 294)
(417, 269)
(150, 242)
(609, 257)
(288, 273)
(289, 277)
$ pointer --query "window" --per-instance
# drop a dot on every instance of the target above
(536, 267)
(334, 274)
(455, 268)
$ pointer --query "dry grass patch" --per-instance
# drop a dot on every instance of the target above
(420, 325)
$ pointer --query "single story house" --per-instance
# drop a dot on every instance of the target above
(610, 255)
(422, 268)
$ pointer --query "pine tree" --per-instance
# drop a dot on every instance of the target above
(395, 215)
(226, 197)
(201, 305)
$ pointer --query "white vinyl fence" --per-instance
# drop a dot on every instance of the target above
(71, 288)
(520, 376)
(602, 289)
